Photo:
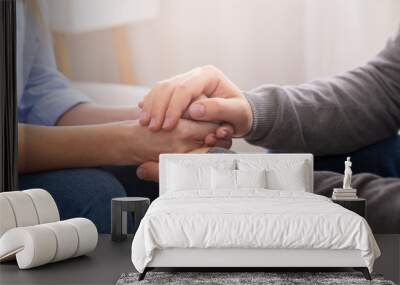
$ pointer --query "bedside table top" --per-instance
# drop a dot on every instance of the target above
(130, 199)
(349, 200)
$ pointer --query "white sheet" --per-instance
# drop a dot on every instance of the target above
(251, 219)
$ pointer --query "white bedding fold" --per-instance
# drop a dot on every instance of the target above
(251, 219)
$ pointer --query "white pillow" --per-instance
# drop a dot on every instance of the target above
(292, 179)
(251, 178)
(223, 179)
(281, 174)
(183, 177)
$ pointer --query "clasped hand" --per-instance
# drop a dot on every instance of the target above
(203, 94)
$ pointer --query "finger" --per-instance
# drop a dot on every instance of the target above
(198, 131)
(201, 82)
(186, 112)
(185, 115)
(163, 88)
(219, 109)
(210, 140)
(192, 134)
(225, 131)
(158, 96)
(140, 104)
(202, 96)
(144, 116)
(148, 171)
(162, 97)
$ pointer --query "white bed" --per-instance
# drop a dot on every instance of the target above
(280, 225)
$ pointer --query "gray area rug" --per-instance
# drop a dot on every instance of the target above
(231, 278)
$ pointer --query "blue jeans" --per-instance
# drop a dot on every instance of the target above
(88, 192)
(382, 158)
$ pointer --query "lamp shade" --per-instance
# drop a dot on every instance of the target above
(78, 16)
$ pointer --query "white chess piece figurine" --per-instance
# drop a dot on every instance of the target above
(347, 174)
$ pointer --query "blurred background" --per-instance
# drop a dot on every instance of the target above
(101, 44)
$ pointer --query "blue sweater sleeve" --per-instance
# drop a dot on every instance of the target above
(46, 93)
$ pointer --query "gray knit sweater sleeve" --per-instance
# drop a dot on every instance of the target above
(333, 115)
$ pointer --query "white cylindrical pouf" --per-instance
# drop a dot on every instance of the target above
(33, 246)
(7, 218)
(31, 232)
(67, 239)
(45, 205)
(87, 234)
(23, 208)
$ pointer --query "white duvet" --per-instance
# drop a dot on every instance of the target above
(251, 219)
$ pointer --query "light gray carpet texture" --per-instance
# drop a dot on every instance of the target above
(268, 278)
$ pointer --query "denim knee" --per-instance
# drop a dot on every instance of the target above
(79, 193)
(98, 201)
(382, 158)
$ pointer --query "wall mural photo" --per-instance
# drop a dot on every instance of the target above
(186, 130)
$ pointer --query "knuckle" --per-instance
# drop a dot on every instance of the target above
(155, 109)
(172, 113)
(181, 87)
(210, 69)
(146, 99)
(158, 85)
(217, 106)
(183, 132)
(163, 85)
(154, 113)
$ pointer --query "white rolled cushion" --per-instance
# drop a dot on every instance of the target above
(251, 179)
(7, 218)
(33, 246)
(183, 177)
(87, 235)
(40, 244)
(23, 208)
(67, 240)
(223, 179)
(45, 205)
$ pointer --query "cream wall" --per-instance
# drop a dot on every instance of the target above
(254, 42)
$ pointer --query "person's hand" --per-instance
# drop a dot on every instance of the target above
(203, 94)
(138, 144)
(148, 171)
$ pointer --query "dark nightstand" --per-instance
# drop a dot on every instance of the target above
(120, 207)
(358, 205)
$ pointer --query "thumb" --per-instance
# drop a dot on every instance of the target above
(148, 171)
(235, 111)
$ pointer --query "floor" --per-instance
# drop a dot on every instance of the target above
(106, 264)
(389, 262)
(103, 266)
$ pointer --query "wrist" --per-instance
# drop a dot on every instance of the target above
(248, 117)
(90, 113)
(125, 138)
(264, 110)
